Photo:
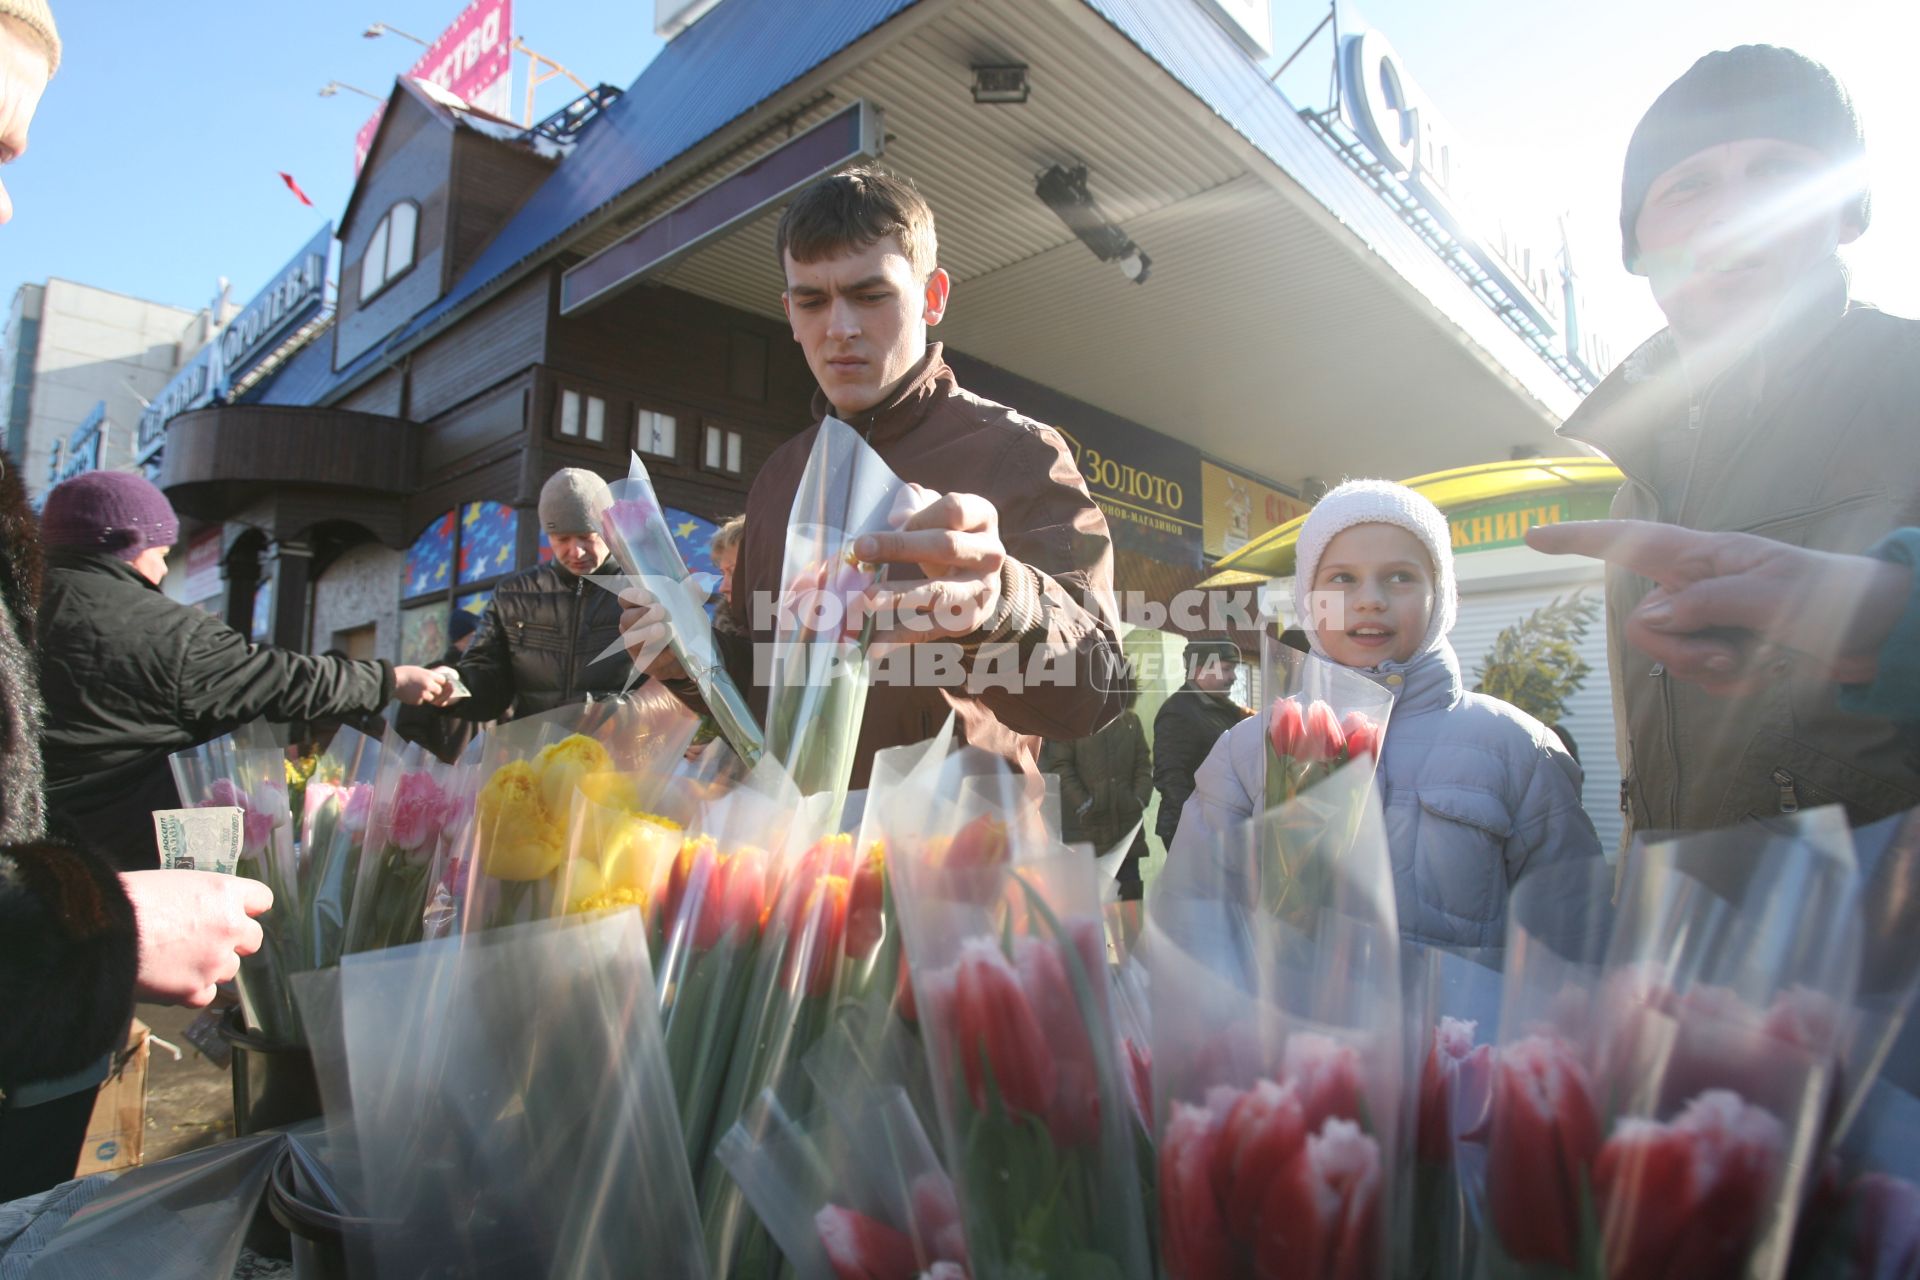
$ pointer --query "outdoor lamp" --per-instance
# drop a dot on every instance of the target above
(1065, 192)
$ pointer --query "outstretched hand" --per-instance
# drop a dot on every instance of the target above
(954, 541)
(1727, 604)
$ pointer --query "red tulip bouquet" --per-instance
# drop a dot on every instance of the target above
(635, 529)
(333, 835)
(822, 628)
(1321, 720)
(1658, 1120)
(1452, 1007)
(708, 935)
(512, 1107)
(247, 770)
(827, 921)
(1320, 717)
(1277, 1053)
(414, 804)
(1011, 992)
(854, 1193)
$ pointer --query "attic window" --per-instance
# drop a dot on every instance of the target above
(389, 249)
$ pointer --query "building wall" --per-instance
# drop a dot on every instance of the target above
(411, 162)
(19, 350)
(97, 345)
(362, 586)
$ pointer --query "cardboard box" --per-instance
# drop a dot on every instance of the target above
(118, 1129)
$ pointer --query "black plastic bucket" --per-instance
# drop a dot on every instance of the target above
(318, 1237)
(273, 1084)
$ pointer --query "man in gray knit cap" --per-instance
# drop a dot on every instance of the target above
(1772, 404)
(544, 628)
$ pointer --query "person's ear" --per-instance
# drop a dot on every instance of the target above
(786, 308)
(938, 287)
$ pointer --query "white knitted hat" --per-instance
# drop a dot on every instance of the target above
(1376, 502)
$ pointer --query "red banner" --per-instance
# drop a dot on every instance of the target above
(472, 59)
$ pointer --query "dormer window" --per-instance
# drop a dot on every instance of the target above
(389, 249)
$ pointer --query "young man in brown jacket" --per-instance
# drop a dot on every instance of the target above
(1008, 564)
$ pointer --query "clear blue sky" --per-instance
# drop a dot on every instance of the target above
(152, 170)
(155, 154)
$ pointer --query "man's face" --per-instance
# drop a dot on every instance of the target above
(1726, 234)
(23, 78)
(725, 561)
(1215, 675)
(151, 564)
(862, 317)
(581, 553)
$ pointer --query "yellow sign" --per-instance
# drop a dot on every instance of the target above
(1235, 510)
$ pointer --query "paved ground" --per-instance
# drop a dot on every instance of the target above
(189, 1102)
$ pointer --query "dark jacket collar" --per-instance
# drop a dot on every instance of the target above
(104, 563)
(903, 410)
(1649, 391)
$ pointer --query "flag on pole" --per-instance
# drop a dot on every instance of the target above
(295, 188)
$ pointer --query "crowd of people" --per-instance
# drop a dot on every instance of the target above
(1763, 611)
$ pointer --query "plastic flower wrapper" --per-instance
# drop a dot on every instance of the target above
(339, 804)
(1862, 1218)
(1319, 717)
(513, 850)
(818, 689)
(853, 1193)
(714, 903)
(1277, 1048)
(512, 1111)
(1889, 859)
(183, 1218)
(1012, 995)
(826, 925)
(414, 803)
(636, 532)
(1452, 1007)
(1659, 1120)
(247, 769)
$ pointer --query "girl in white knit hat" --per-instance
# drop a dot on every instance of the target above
(1476, 792)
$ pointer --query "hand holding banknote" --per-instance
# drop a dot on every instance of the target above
(194, 927)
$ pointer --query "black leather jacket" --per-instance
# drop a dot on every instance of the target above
(538, 643)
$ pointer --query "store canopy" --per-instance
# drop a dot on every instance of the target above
(1271, 554)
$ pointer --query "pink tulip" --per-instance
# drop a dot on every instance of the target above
(1546, 1132)
(418, 812)
(859, 1248)
(1362, 734)
(936, 1217)
(1247, 1190)
(1327, 1075)
(1074, 1117)
(1286, 727)
(1322, 739)
(994, 1028)
(1454, 1084)
(1687, 1198)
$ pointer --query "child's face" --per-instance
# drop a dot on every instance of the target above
(1374, 589)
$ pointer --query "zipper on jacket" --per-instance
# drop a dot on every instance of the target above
(573, 642)
(1789, 794)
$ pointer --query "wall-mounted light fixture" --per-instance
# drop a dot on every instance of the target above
(1065, 192)
(1000, 84)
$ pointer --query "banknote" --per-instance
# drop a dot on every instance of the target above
(199, 839)
(460, 689)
